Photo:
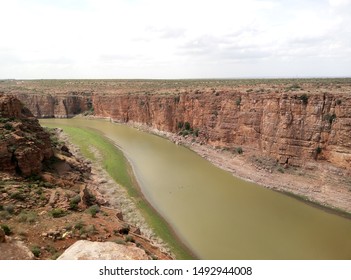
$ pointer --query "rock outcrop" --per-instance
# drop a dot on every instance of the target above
(24, 145)
(87, 250)
(15, 250)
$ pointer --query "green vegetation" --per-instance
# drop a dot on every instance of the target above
(186, 129)
(4, 120)
(238, 101)
(79, 225)
(120, 241)
(239, 150)
(304, 98)
(294, 87)
(8, 126)
(18, 196)
(93, 210)
(9, 208)
(27, 217)
(280, 169)
(6, 229)
(112, 159)
(129, 238)
(58, 213)
(36, 251)
(330, 118)
(73, 203)
(318, 150)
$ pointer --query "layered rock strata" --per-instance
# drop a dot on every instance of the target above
(290, 127)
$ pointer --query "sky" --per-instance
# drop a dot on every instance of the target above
(174, 39)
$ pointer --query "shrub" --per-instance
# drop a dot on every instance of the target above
(338, 102)
(91, 229)
(93, 210)
(73, 203)
(4, 120)
(329, 118)
(58, 213)
(9, 208)
(187, 126)
(18, 195)
(129, 238)
(304, 98)
(124, 229)
(239, 150)
(238, 101)
(8, 126)
(79, 225)
(318, 150)
(6, 229)
(180, 125)
(27, 217)
(120, 241)
(36, 251)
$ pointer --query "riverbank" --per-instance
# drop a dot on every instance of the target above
(318, 182)
(105, 159)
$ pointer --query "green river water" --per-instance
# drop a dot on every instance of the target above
(217, 215)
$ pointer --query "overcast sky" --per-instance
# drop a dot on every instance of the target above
(42, 39)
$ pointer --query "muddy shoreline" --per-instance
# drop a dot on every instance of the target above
(116, 195)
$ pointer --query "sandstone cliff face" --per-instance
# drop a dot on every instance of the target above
(56, 106)
(23, 142)
(290, 125)
(285, 125)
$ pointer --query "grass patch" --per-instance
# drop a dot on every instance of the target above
(27, 217)
(113, 159)
(58, 213)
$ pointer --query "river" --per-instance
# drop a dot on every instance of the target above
(217, 215)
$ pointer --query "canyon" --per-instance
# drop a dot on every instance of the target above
(291, 121)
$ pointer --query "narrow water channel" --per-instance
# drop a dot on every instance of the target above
(217, 215)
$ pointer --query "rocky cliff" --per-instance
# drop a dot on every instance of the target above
(291, 127)
(289, 121)
(24, 145)
(56, 106)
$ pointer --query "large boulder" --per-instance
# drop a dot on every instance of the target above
(15, 250)
(88, 250)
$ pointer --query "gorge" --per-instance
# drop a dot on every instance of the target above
(289, 135)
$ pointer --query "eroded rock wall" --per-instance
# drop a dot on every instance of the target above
(285, 125)
(56, 106)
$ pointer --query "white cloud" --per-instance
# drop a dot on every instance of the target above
(170, 39)
(339, 3)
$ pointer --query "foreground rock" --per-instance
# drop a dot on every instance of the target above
(49, 199)
(87, 250)
(15, 250)
(24, 144)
